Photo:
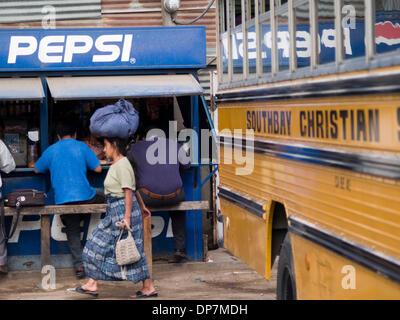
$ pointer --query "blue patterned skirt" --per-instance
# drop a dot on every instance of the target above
(99, 252)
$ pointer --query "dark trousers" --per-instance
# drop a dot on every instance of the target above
(178, 217)
(3, 246)
(72, 224)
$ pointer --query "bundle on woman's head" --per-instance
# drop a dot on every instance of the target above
(119, 120)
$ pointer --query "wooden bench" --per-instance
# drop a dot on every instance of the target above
(46, 211)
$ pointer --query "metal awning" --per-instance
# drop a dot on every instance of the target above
(21, 89)
(74, 88)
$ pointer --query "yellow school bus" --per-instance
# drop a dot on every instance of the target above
(309, 96)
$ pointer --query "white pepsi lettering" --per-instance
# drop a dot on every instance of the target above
(30, 46)
(112, 48)
(51, 48)
(304, 44)
(158, 227)
(283, 43)
(347, 42)
(328, 38)
(72, 47)
(252, 45)
(45, 48)
(126, 51)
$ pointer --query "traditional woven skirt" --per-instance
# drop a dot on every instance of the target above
(99, 252)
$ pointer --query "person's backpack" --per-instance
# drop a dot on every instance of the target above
(119, 120)
(19, 198)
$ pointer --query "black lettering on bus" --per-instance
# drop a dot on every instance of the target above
(264, 115)
(342, 183)
(326, 124)
(373, 121)
(344, 114)
(253, 121)
(361, 128)
(311, 124)
(334, 128)
(302, 128)
(283, 124)
(269, 121)
(352, 124)
(276, 122)
(248, 120)
(320, 124)
(258, 121)
(289, 120)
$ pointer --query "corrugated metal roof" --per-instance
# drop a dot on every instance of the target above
(144, 13)
(111, 13)
(31, 11)
(70, 88)
(204, 79)
(21, 88)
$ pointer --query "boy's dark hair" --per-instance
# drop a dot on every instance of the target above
(121, 144)
(66, 127)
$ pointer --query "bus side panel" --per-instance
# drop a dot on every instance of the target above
(323, 274)
(363, 208)
(245, 236)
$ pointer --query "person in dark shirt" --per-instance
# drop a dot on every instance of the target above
(159, 181)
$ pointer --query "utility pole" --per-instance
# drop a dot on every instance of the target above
(167, 21)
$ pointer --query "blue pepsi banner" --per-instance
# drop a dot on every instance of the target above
(111, 48)
(387, 39)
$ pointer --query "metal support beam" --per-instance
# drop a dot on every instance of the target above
(314, 33)
(292, 36)
(219, 40)
(274, 33)
(259, 66)
(339, 52)
(229, 33)
(370, 49)
(245, 8)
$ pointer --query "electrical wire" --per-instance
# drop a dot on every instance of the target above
(173, 18)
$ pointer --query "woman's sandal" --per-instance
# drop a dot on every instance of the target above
(140, 294)
(83, 291)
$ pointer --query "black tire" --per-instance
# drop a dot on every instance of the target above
(286, 286)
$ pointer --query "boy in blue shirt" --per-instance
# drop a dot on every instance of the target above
(68, 161)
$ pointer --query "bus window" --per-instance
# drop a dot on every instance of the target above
(266, 44)
(252, 40)
(223, 29)
(283, 40)
(237, 42)
(303, 37)
(387, 27)
(326, 30)
(353, 21)
(264, 6)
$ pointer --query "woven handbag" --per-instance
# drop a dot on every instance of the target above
(126, 251)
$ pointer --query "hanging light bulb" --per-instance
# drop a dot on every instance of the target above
(171, 6)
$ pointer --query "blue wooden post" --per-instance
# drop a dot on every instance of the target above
(194, 223)
(44, 118)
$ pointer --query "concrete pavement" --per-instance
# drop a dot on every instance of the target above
(223, 277)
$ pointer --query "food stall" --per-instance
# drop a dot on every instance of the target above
(45, 74)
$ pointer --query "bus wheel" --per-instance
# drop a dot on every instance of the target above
(286, 287)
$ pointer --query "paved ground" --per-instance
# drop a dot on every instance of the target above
(222, 277)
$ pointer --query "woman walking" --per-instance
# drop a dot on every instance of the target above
(122, 206)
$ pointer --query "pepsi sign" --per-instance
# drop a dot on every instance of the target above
(111, 48)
